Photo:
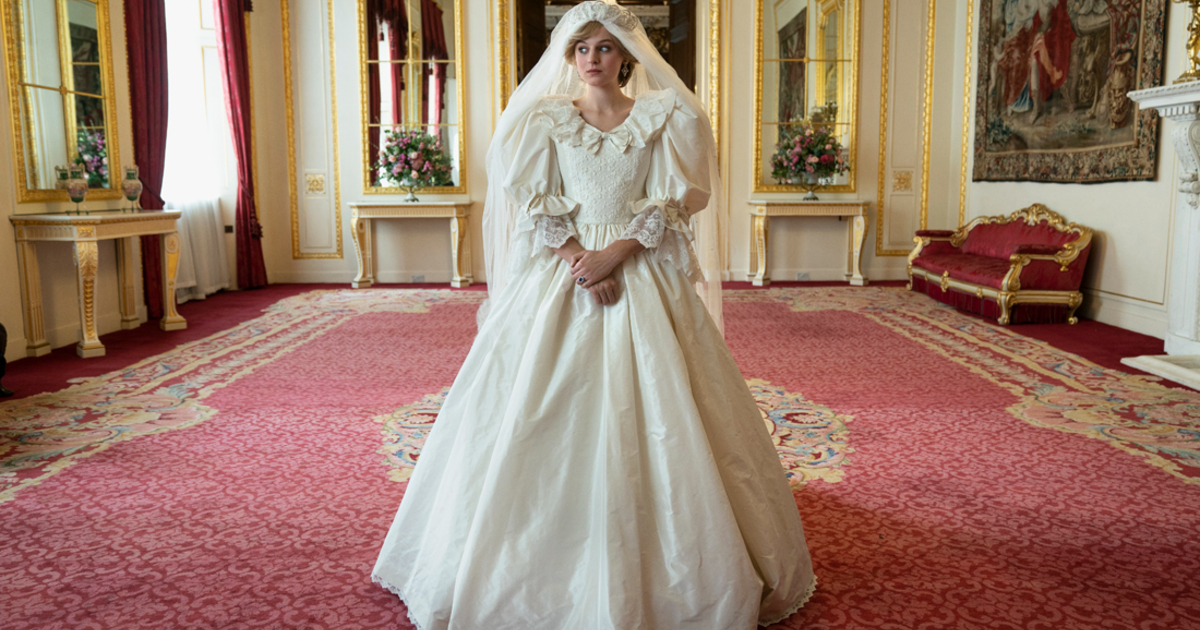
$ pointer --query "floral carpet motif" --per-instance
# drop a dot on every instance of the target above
(42, 435)
(811, 439)
(995, 482)
(1055, 389)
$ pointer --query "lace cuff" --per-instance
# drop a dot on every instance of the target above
(664, 230)
(548, 217)
(553, 232)
(646, 228)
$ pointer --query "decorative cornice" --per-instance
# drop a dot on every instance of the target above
(1180, 101)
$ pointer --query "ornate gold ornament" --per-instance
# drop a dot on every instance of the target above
(1192, 73)
(87, 261)
(902, 181)
(314, 184)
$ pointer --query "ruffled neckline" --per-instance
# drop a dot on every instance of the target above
(649, 114)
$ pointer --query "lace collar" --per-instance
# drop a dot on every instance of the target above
(650, 111)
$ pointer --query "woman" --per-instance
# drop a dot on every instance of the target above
(599, 462)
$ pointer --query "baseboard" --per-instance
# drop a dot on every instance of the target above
(345, 277)
(1141, 317)
(822, 275)
(68, 334)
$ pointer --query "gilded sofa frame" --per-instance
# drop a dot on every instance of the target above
(1010, 293)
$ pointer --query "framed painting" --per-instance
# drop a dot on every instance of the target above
(1051, 102)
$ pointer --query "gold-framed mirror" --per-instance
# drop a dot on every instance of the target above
(806, 60)
(412, 81)
(61, 95)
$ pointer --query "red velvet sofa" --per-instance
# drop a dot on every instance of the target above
(1022, 268)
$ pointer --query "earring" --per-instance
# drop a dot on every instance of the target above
(626, 70)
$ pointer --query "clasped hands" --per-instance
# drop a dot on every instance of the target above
(592, 270)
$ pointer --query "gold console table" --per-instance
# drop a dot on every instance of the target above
(363, 215)
(760, 217)
(85, 231)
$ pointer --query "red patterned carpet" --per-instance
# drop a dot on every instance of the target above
(951, 474)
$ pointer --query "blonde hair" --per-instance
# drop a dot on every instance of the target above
(586, 31)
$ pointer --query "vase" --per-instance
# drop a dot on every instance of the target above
(411, 187)
(810, 182)
(77, 186)
(61, 175)
(132, 186)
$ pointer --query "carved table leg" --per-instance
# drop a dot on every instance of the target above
(31, 298)
(759, 228)
(858, 234)
(87, 261)
(459, 251)
(360, 229)
(127, 276)
(170, 247)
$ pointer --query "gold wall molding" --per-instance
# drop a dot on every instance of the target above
(926, 135)
(926, 122)
(714, 66)
(504, 50)
(880, 203)
(966, 123)
(309, 178)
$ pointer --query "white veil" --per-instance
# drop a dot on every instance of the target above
(554, 75)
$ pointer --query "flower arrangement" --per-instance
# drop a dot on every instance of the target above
(412, 159)
(91, 152)
(808, 153)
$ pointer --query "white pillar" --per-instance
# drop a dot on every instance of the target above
(1180, 103)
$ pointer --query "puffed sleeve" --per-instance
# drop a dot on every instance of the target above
(535, 185)
(677, 186)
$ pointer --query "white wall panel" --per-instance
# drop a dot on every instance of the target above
(315, 182)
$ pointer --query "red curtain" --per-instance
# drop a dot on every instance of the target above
(433, 44)
(398, 47)
(146, 43)
(232, 46)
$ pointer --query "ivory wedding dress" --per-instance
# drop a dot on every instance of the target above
(600, 467)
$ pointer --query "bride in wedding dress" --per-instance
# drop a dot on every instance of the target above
(599, 463)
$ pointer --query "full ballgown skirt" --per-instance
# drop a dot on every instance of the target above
(598, 467)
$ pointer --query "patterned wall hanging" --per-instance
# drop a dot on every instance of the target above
(1051, 102)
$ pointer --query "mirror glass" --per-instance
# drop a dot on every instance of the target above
(806, 76)
(412, 107)
(60, 100)
(670, 25)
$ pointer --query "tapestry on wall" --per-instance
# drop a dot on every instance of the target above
(1051, 102)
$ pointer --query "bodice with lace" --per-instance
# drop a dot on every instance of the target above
(567, 174)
